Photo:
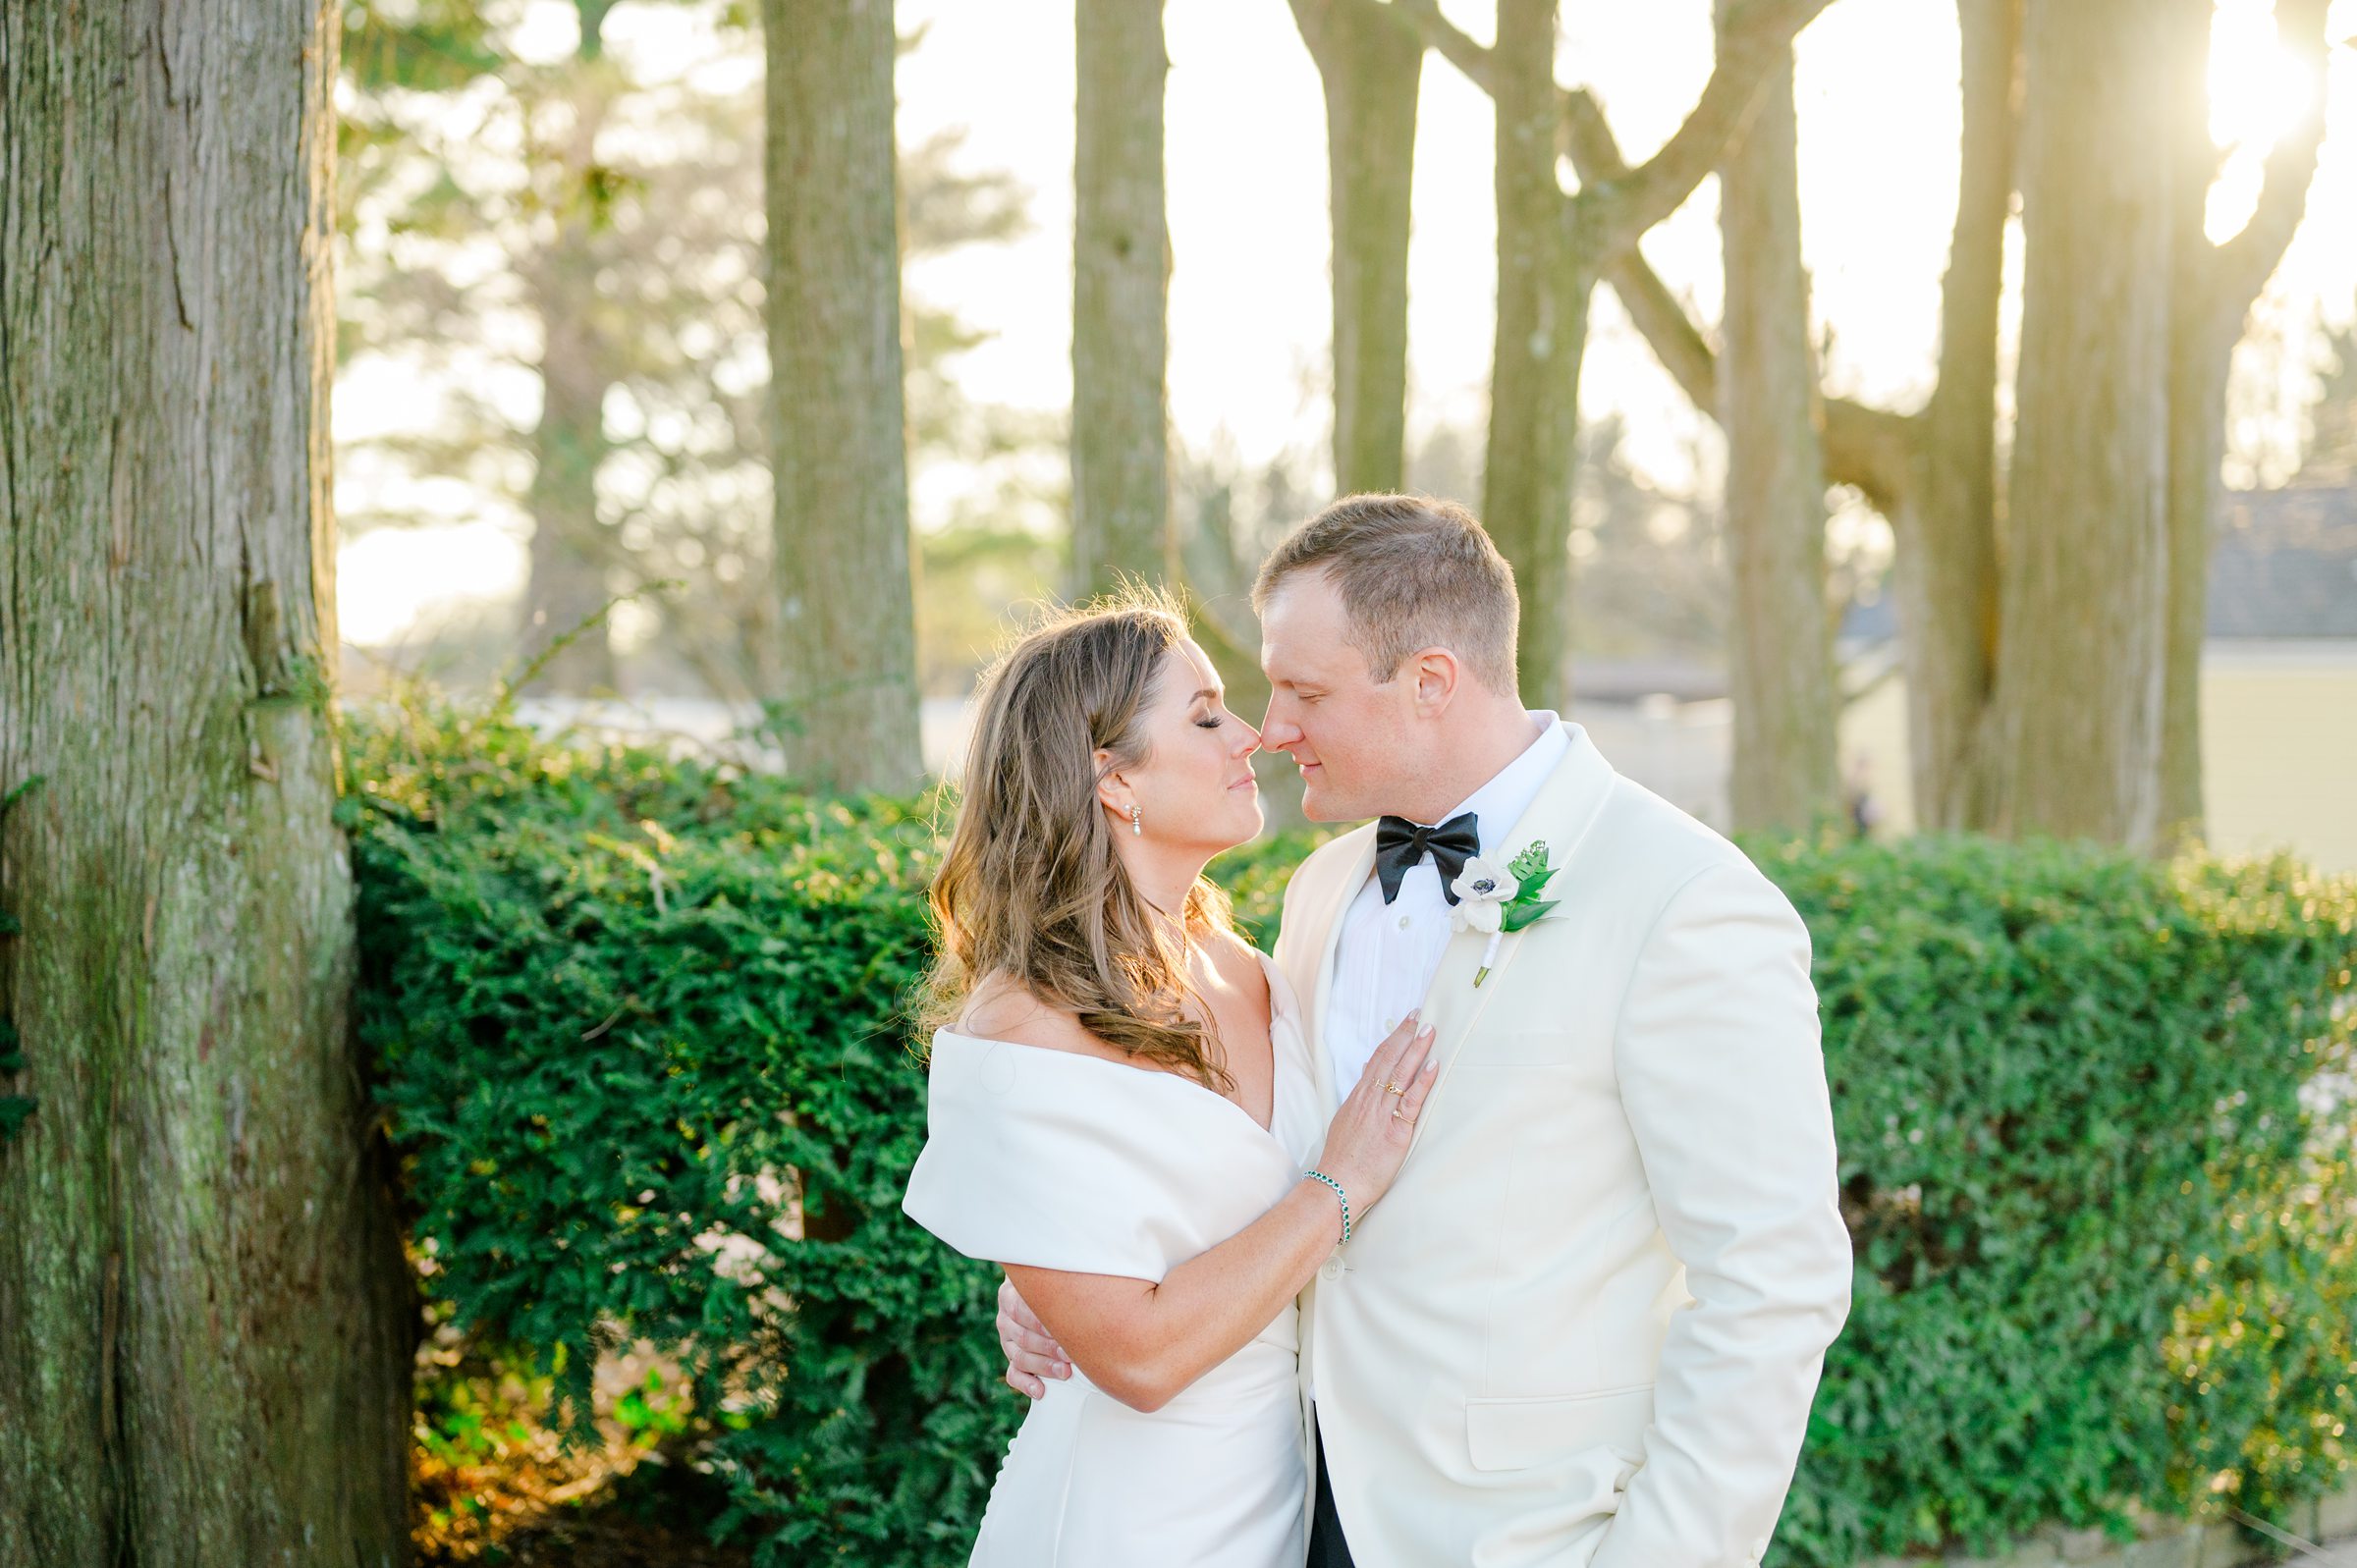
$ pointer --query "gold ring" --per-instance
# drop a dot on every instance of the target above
(1391, 1088)
(1395, 1117)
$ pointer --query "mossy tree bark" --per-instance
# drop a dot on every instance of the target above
(205, 1325)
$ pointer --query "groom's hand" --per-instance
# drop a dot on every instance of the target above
(1033, 1353)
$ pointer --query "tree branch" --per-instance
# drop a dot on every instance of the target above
(1446, 37)
(1863, 447)
(1659, 314)
(1756, 37)
(2241, 266)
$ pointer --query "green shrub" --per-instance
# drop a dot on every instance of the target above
(2099, 1184)
(627, 1006)
(626, 1009)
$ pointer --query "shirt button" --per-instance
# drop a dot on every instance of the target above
(1332, 1269)
(1404, 922)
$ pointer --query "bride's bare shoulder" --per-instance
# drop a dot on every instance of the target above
(1003, 1008)
(1238, 960)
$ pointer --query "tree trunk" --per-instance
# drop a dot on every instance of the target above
(204, 1324)
(1781, 674)
(1372, 69)
(847, 608)
(2075, 722)
(1543, 293)
(1121, 283)
(2197, 448)
(568, 553)
(2215, 287)
(1934, 474)
(1945, 566)
(2204, 328)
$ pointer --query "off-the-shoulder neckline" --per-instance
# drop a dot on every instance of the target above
(1277, 1016)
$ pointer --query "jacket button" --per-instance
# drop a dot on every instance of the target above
(1332, 1269)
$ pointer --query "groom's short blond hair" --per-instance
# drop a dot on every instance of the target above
(1413, 573)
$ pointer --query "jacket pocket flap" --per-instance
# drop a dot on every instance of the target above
(1517, 1434)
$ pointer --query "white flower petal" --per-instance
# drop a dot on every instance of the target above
(1483, 915)
(1484, 880)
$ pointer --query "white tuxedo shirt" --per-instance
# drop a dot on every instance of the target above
(1389, 951)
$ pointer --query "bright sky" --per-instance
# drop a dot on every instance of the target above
(1247, 177)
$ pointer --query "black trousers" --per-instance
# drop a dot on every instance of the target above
(1327, 1548)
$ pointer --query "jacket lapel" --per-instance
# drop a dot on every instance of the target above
(1565, 808)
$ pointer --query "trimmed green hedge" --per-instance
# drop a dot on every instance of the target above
(2100, 1187)
(2092, 1149)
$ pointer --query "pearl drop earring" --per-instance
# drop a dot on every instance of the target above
(1136, 824)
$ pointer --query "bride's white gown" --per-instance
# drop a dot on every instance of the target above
(1076, 1163)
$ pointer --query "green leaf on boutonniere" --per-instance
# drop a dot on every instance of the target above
(1531, 862)
(1518, 914)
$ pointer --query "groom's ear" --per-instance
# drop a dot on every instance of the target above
(1436, 674)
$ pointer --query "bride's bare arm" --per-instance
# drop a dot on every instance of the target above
(1143, 1342)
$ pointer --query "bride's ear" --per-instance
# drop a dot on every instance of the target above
(1113, 790)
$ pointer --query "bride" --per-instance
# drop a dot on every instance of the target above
(1120, 1109)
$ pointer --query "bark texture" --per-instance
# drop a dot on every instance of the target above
(846, 607)
(1946, 515)
(1543, 292)
(2074, 741)
(1120, 288)
(204, 1317)
(1372, 69)
(1780, 657)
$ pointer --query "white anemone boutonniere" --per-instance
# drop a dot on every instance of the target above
(1497, 900)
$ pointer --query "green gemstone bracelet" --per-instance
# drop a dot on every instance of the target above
(1320, 1175)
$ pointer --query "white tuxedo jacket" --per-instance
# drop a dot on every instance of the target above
(1584, 1327)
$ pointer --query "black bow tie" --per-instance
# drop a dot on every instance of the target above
(1399, 843)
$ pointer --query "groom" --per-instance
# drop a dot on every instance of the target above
(1584, 1327)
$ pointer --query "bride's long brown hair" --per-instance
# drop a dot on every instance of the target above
(1030, 886)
